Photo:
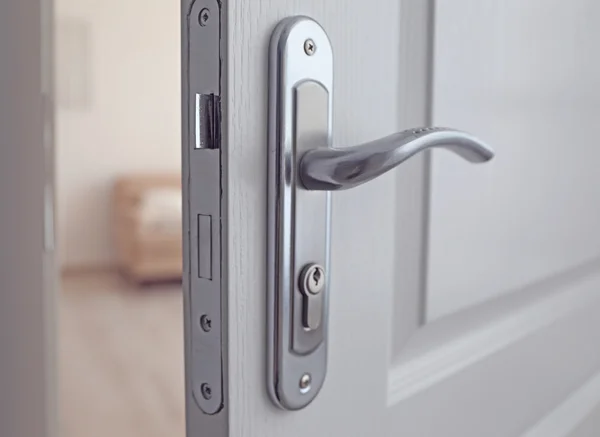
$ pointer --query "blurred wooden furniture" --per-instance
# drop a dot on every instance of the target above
(147, 227)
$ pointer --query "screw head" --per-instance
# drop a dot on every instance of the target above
(205, 323)
(310, 47)
(304, 383)
(204, 16)
(206, 391)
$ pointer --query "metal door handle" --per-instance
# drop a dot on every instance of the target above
(303, 170)
(339, 169)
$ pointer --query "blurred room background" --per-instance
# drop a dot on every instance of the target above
(119, 217)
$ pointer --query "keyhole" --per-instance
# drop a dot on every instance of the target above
(312, 279)
(316, 276)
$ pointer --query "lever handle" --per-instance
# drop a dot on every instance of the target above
(302, 170)
(326, 169)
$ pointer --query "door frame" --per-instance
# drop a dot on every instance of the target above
(28, 270)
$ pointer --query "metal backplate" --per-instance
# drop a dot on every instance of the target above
(300, 102)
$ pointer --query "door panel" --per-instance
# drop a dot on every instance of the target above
(589, 426)
(577, 416)
(363, 109)
(520, 75)
(512, 246)
(412, 349)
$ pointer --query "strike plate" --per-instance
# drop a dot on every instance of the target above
(300, 102)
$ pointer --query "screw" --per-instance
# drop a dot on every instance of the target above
(310, 47)
(304, 384)
(312, 279)
(205, 323)
(206, 391)
(204, 16)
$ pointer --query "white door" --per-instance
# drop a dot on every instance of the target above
(463, 299)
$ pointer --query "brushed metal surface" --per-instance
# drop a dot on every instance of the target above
(300, 105)
(310, 217)
(340, 169)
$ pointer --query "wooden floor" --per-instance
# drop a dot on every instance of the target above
(120, 359)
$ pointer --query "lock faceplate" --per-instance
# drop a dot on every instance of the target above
(300, 102)
(312, 284)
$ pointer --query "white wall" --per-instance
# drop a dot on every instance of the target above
(129, 122)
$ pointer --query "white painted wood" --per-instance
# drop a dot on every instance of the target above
(520, 75)
(27, 367)
(589, 426)
(492, 367)
(361, 56)
(422, 367)
(570, 415)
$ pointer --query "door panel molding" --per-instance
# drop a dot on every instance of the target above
(515, 220)
(416, 372)
(564, 420)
